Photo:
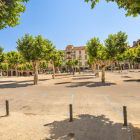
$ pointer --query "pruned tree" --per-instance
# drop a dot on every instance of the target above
(68, 63)
(33, 50)
(43, 65)
(14, 58)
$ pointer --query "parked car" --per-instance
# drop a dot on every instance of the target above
(49, 72)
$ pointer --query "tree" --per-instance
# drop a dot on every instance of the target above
(14, 58)
(2, 55)
(137, 56)
(3, 67)
(10, 12)
(75, 63)
(119, 58)
(33, 50)
(114, 44)
(131, 6)
(58, 63)
(55, 56)
(93, 48)
(68, 63)
(129, 56)
(91, 62)
(43, 65)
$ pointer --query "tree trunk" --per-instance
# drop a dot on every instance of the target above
(111, 67)
(92, 68)
(103, 74)
(53, 70)
(1, 72)
(129, 65)
(11, 72)
(121, 68)
(35, 66)
(98, 69)
(16, 70)
(114, 66)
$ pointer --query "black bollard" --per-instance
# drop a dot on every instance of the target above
(71, 116)
(7, 108)
(125, 115)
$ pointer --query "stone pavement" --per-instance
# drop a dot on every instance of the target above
(43, 113)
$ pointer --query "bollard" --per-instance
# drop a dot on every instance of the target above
(7, 108)
(125, 115)
(71, 119)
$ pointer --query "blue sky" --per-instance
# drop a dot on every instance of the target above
(70, 22)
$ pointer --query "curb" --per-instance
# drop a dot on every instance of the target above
(131, 131)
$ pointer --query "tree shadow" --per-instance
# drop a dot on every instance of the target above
(126, 77)
(15, 85)
(87, 127)
(132, 80)
(83, 78)
(89, 84)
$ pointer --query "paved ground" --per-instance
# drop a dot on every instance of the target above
(42, 112)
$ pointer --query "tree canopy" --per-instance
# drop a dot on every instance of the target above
(131, 6)
(10, 12)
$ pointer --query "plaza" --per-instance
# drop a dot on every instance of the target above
(41, 112)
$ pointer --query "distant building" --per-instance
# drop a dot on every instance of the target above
(79, 53)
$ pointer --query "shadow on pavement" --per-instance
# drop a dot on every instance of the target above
(132, 80)
(83, 78)
(87, 127)
(15, 85)
(23, 81)
(89, 84)
(126, 77)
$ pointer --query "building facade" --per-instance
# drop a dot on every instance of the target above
(79, 53)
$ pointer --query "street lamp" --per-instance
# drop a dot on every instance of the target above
(73, 61)
(79, 58)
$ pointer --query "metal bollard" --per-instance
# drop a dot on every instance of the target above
(7, 108)
(125, 115)
(71, 116)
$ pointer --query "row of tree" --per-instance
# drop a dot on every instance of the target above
(115, 50)
(34, 50)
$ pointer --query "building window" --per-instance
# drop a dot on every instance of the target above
(85, 57)
(80, 63)
(85, 52)
(74, 57)
(79, 52)
(86, 63)
(74, 51)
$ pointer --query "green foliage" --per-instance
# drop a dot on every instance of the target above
(29, 66)
(137, 58)
(23, 67)
(115, 43)
(2, 55)
(131, 6)
(76, 62)
(43, 65)
(116, 68)
(68, 63)
(14, 58)
(3, 67)
(34, 49)
(10, 12)
(10, 66)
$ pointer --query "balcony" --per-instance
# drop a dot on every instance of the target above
(68, 52)
(69, 57)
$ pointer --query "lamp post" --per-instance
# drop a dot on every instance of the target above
(73, 61)
(79, 63)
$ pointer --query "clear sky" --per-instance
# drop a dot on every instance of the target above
(70, 22)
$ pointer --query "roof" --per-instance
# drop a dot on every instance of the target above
(69, 46)
(79, 48)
